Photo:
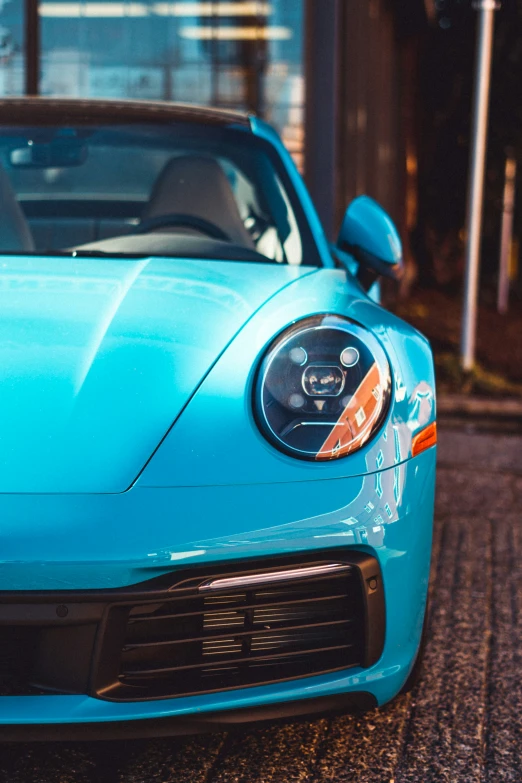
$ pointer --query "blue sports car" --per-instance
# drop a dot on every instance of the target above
(217, 458)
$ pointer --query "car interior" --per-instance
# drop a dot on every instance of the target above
(121, 198)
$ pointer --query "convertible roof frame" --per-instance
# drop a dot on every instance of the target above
(14, 111)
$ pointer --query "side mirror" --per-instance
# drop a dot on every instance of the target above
(369, 235)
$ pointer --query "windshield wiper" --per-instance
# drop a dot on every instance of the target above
(128, 255)
(97, 254)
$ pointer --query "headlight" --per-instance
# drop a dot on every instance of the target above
(323, 388)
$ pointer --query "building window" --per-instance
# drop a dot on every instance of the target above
(12, 59)
(244, 54)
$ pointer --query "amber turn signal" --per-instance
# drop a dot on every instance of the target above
(424, 439)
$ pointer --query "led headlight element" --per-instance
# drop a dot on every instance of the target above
(323, 388)
(323, 380)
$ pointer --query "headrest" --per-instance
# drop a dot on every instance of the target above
(197, 185)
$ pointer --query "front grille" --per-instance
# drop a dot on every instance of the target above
(196, 630)
(198, 642)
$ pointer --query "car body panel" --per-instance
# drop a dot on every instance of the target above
(80, 542)
(279, 518)
(187, 457)
(99, 356)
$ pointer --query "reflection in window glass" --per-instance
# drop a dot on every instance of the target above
(11, 47)
(244, 54)
(150, 189)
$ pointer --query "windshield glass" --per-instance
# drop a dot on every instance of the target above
(181, 190)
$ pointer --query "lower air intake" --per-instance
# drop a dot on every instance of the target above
(229, 631)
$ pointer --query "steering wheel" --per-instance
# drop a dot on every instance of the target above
(179, 219)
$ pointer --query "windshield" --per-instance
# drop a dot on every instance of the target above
(181, 190)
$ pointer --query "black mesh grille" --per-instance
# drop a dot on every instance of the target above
(199, 643)
(177, 635)
(17, 655)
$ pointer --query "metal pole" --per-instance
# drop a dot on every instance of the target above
(486, 9)
(506, 234)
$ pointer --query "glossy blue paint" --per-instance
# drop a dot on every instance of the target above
(99, 356)
(76, 541)
(128, 446)
(187, 457)
(368, 226)
(194, 525)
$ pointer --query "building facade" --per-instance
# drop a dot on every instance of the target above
(331, 75)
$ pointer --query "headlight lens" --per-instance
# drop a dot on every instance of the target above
(323, 388)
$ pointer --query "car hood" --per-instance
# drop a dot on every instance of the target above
(98, 357)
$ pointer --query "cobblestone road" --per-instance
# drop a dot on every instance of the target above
(462, 723)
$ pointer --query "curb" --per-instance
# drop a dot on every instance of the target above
(460, 404)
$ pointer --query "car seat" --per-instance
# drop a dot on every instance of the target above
(15, 234)
(197, 185)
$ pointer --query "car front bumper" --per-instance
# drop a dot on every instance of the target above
(387, 515)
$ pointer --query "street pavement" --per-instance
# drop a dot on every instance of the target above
(463, 722)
